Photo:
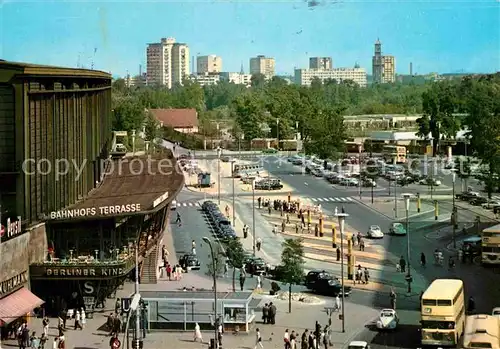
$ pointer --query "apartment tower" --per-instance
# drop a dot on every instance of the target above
(208, 64)
(167, 62)
(263, 65)
(325, 63)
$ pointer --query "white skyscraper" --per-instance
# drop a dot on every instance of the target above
(167, 62)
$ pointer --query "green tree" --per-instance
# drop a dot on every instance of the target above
(258, 80)
(464, 172)
(152, 128)
(327, 133)
(250, 113)
(292, 263)
(439, 105)
(128, 115)
(217, 264)
(236, 257)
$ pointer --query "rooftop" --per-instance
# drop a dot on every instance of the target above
(196, 295)
(176, 118)
(47, 70)
(443, 288)
(144, 183)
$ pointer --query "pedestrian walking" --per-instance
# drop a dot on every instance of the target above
(358, 237)
(286, 339)
(422, 259)
(287, 218)
(366, 274)
(402, 264)
(336, 212)
(83, 318)
(471, 305)
(303, 339)
(45, 324)
(242, 280)
(78, 326)
(393, 296)
(272, 313)
(296, 228)
(361, 244)
(258, 339)
(193, 247)
(197, 333)
(259, 283)
(259, 243)
(316, 230)
(359, 274)
(283, 226)
(325, 337)
(275, 229)
(34, 342)
(338, 254)
(43, 339)
(259, 201)
(353, 240)
(338, 305)
(178, 219)
(265, 313)
(293, 340)
(451, 263)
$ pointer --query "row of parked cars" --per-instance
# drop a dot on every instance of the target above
(474, 198)
(223, 230)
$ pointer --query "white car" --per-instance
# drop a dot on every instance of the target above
(496, 312)
(173, 205)
(358, 345)
(491, 204)
(375, 232)
(387, 320)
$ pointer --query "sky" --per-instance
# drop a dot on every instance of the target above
(447, 36)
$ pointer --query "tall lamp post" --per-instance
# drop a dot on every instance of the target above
(341, 217)
(454, 213)
(218, 172)
(240, 138)
(253, 216)
(407, 197)
(214, 269)
(395, 198)
(232, 175)
(278, 133)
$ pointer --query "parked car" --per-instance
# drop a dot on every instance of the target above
(270, 151)
(467, 196)
(358, 345)
(369, 183)
(479, 201)
(331, 287)
(430, 181)
(397, 229)
(190, 261)
(491, 204)
(255, 266)
(387, 320)
(375, 232)
(314, 275)
(269, 184)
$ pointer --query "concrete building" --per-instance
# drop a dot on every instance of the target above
(138, 80)
(320, 63)
(305, 76)
(384, 67)
(236, 78)
(208, 64)
(207, 79)
(263, 65)
(167, 62)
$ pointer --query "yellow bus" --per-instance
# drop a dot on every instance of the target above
(443, 313)
(482, 331)
(394, 154)
(490, 245)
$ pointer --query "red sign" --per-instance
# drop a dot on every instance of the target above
(116, 343)
(2, 230)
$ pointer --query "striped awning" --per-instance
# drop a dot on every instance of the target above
(18, 304)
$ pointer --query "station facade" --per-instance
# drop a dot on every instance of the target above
(69, 224)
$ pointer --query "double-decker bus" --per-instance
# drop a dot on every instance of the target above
(394, 154)
(482, 331)
(443, 313)
(490, 245)
(251, 169)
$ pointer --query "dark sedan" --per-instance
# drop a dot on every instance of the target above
(330, 287)
(190, 262)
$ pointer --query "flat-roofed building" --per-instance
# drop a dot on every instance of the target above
(263, 65)
(208, 64)
(306, 76)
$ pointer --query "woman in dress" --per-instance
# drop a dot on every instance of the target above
(83, 318)
(197, 333)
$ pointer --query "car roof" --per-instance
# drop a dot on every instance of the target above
(358, 343)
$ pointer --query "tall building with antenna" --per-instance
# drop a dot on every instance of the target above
(383, 67)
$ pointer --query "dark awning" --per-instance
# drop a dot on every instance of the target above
(18, 304)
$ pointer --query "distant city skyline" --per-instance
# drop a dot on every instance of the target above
(444, 37)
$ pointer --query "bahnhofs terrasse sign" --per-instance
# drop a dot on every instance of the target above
(95, 211)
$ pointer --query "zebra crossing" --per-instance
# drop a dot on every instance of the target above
(343, 199)
(188, 204)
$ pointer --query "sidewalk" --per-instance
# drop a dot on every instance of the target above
(386, 206)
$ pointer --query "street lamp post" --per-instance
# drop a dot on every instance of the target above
(218, 173)
(454, 213)
(232, 175)
(395, 199)
(278, 133)
(341, 217)
(240, 138)
(137, 343)
(253, 216)
(408, 257)
(214, 269)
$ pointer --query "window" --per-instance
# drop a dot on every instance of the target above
(437, 325)
(480, 345)
(429, 302)
(444, 302)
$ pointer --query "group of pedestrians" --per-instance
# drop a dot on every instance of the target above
(362, 275)
(269, 314)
